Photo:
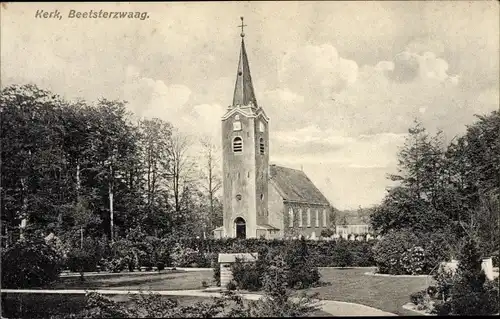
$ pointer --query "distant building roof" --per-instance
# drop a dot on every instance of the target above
(294, 185)
(352, 219)
(231, 258)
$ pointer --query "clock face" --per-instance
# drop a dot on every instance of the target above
(262, 127)
(237, 126)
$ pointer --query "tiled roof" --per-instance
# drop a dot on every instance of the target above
(294, 185)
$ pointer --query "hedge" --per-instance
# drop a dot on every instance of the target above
(323, 253)
(197, 252)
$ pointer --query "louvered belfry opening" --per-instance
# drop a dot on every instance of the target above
(237, 144)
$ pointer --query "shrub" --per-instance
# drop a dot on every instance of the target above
(115, 264)
(413, 260)
(80, 260)
(409, 253)
(468, 294)
(302, 273)
(491, 287)
(149, 306)
(247, 275)
(417, 297)
(160, 266)
(327, 233)
(231, 285)
(388, 251)
(277, 301)
(343, 256)
(122, 252)
(184, 256)
(444, 282)
(216, 270)
(30, 263)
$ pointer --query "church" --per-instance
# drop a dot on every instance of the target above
(261, 200)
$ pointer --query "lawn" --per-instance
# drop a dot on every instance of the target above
(385, 293)
(178, 280)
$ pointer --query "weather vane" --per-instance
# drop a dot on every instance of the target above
(242, 26)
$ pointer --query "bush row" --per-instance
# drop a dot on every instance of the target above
(331, 253)
(193, 252)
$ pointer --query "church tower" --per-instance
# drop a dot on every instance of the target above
(245, 157)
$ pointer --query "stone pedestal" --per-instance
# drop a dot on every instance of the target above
(225, 261)
(487, 266)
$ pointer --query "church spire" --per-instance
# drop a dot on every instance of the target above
(243, 90)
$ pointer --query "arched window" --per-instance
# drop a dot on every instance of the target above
(316, 220)
(262, 146)
(308, 217)
(324, 218)
(290, 217)
(237, 144)
(300, 218)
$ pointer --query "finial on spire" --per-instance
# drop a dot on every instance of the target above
(242, 34)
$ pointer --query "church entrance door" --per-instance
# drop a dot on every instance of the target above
(241, 228)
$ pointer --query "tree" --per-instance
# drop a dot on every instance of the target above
(468, 295)
(34, 170)
(154, 141)
(180, 175)
(212, 183)
(416, 203)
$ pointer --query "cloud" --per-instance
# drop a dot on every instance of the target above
(285, 95)
(310, 145)
(316, 70)
(150, 98)
(409, 66)
(153, 98)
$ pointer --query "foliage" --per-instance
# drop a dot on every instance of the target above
(411, 253)
(160, 266)
(468, 294)
(247, 276)
(30, 263)
(231, 285)
(413, 260)
(451, 188)
(216, 270)
(327, 233)
(344, 257)
(79, 260)
(302, 271)
(417, 297)
(185, 257)
(444, 282)
(277, 300)
(389, 250)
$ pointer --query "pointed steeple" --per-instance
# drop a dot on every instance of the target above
(244, 93)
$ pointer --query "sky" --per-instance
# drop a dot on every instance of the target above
(342, 82)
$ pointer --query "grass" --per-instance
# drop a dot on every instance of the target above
(162, 281)
(384, 293)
